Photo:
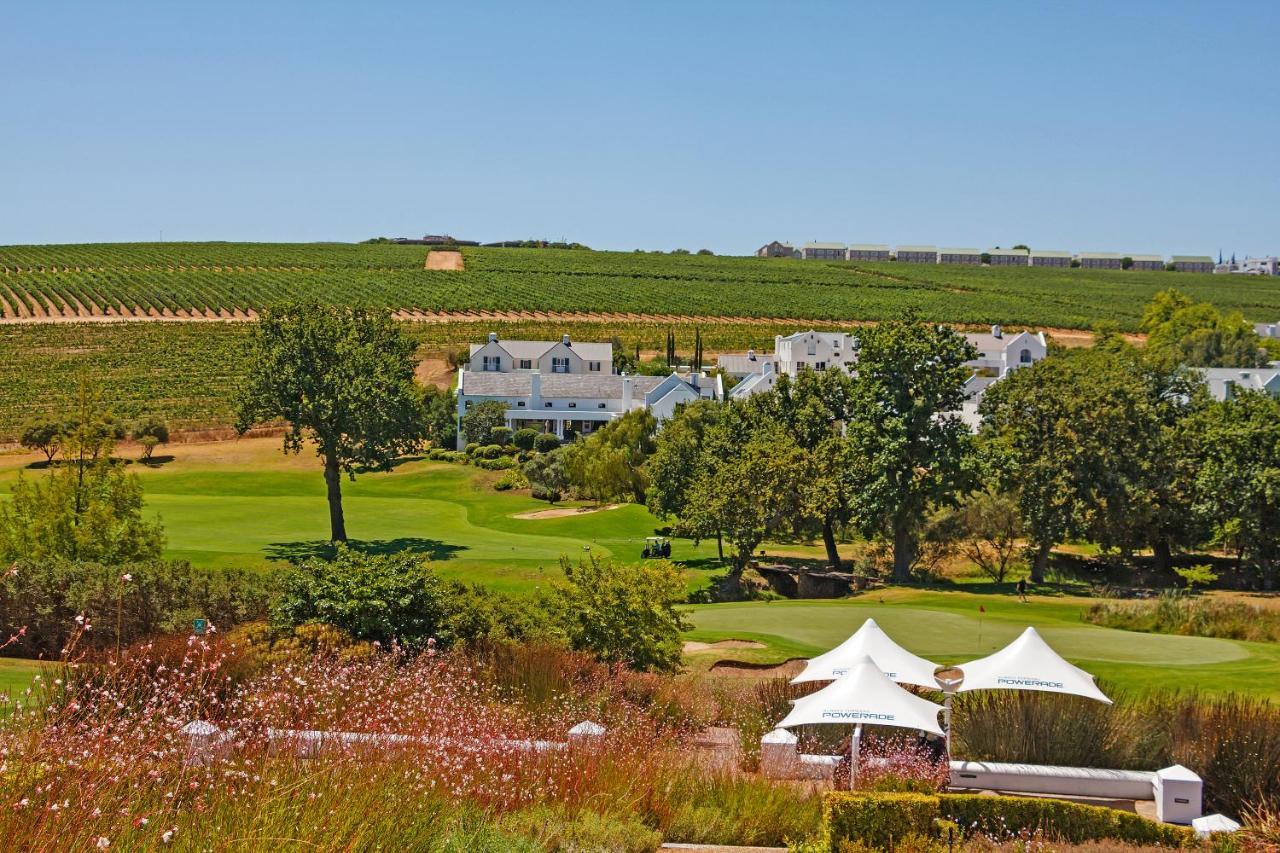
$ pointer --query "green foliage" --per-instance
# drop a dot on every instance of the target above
(546, 442)
(547, 475)
(1198, 334)
(908, 447)
(87, 508)
(513, 478)
(523, 439)
(340, 377)
(608, 465)
(481, 419)
(380, 598)
(1198, 575)
(990, 530)
(440, 412)
(44, 435)
(558, 830)
(677, 459)
(46, 595)
(1238, 478)
(883, 820)
(623, 614)
(150, 432)
(500, 435)
(1176, 613)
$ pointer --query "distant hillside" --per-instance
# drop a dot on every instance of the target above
(229, 280)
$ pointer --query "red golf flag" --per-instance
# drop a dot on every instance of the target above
(981, 609)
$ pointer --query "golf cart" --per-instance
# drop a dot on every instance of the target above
(656, 548)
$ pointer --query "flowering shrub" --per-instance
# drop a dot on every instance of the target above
(900, 762)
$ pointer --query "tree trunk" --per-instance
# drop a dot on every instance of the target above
(904, 554)
(333, 479)
(1162, 554)
(720, 545)
(1041, 563)
(829, 539)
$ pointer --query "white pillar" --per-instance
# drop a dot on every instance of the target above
(560, 428)
(855, 747)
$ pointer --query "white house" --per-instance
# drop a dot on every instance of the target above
(1225, 382)
(563, 356)
(557, 387)
(999, 353)
(814, 350)
(1267, 330)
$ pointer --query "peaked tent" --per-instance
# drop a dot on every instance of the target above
(870, 641)
(864, 695)
(1028, 663)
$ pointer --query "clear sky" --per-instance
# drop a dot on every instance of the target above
(1125, 126)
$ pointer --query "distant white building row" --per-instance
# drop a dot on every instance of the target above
(967, 256)
(998, 355)
(1269, 265)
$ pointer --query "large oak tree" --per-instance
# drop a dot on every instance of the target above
(341, 378)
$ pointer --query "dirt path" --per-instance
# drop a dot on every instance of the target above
(443, 260)
(565, 511)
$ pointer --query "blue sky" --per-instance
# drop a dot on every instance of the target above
(1139, 127)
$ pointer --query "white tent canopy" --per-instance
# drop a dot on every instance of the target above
(1028, 663)
(870, 641)
(864, 695)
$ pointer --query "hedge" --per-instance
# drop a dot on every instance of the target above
(879, 819)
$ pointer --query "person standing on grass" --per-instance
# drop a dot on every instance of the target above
(1022, 589)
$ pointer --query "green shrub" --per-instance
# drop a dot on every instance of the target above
(160, 596)
(524, 438)
(546, 442)
(471, 448)
(881, 819)
(501, 463)
(490, 451)
(512, 479)
(877, 819)
(500, 435)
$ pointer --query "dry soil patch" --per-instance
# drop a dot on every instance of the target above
(564, 511)
(442, 260)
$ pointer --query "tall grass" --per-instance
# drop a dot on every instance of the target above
(1233, 742)
(97, 758)
(1176, 613)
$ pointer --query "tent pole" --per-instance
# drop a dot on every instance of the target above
(855, 747)
(946, 719)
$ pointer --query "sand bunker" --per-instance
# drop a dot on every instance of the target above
(693, 646)
(565, 511)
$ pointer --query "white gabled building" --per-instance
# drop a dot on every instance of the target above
(999, 353)
(814, 351)
(563, 386)
(563, 356)
(1225, 382)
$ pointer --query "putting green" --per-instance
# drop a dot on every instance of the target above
(949, 628)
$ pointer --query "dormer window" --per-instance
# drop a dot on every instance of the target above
(493, 362)
(559, 365)
(526, 364)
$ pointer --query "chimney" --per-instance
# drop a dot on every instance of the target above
(694, 378)
(996, 331)
(535, 390)
(626, 393)
(751, 355)
(564, 339)
(493, 337)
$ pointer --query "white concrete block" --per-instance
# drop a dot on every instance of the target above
(1178, 794)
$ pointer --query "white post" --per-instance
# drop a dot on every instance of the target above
(855, 747)
(946, 719)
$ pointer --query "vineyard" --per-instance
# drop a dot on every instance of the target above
(187, 373)
(232, 280)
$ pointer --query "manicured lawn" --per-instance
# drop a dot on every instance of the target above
(16, 675)
(246, 503)
(945, 626)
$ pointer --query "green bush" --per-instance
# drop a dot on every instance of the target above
(877, 819)
(470, 448)
(880, 819)
(501, 463)
(512, 479)
(500, 435)
(490, 451)
(524, 438)
(546, 442)
(45, 596)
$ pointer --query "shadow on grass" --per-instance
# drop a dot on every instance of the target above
(432, 549)
(156, 461)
